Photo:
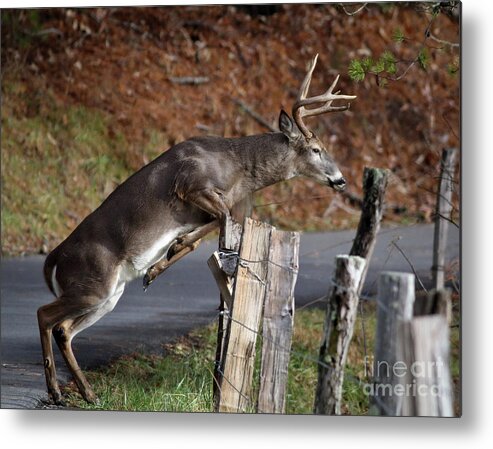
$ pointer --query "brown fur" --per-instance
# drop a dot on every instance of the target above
(191, 187)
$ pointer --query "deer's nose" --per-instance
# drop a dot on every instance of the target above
(340, 183)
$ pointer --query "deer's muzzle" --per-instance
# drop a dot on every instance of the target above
(338, 184)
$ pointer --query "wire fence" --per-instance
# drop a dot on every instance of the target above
(261, 336)
(383, 308)
(323, 301)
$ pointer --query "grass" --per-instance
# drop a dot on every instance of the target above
(180, 380)
(53, 166)
(58, 163)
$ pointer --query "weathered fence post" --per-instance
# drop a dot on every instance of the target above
(424, 351)
(238, 353)
(338, 331)
(342, 307)
(442, 215)
(431, 337)
(395, 301)
(277, 328)
(229, 238)
(261, 277)
(424, 347)
(374, 186)
(434, 302)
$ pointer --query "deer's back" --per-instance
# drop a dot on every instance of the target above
(144, 211)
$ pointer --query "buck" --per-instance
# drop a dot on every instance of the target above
(161, 212)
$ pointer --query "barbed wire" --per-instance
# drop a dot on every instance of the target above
(217, 366)
(354, 379)
(290, 350)
(410, 264)
(245, 262)
(323, 299)
(223, 376)
(327, 248)
(285, 348)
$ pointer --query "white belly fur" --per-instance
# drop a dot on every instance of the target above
(107, 306)
(139, 264)
(128, 270)
(55, 284)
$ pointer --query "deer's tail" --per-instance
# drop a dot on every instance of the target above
(48, 268)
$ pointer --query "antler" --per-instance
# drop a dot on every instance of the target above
(299, 110)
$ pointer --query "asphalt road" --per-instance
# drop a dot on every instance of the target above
(184, 298)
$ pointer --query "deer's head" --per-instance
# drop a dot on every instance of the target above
(311, 157)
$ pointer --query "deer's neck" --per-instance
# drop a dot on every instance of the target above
(265, 158)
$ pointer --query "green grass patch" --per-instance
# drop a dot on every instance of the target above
(178, 381)
(58, 164)
(181, 379)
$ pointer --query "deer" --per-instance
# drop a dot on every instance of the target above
(160, 214)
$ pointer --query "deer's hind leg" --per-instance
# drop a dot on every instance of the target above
(50, 315)
(63, 334)
(65, 331)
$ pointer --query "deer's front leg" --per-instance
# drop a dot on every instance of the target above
(161, 266)
(184, 245)
(212, 202)
(209, 201)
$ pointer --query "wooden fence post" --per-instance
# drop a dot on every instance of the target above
(395, 302)
(374, 186)
(338, 331)
(238, 352)
(229, 238)
(424, 350)
(424, 347)
(277, 328)
(434, 302)
(442, 215)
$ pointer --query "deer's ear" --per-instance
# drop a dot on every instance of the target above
(287, 126)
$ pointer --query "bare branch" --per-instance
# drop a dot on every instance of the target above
(449, 125)
(194, 80)
(356, 11)
(410, 264)
(44, 32)
(441, 41)
(440, 195)
(423, 45)
(449, 220)
(262, 121)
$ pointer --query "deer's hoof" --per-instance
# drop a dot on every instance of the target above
(91, 398)
(146, 281)
(58, 399)
(174, 249)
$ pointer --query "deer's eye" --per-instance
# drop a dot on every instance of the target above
(316, 150)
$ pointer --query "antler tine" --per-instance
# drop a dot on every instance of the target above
(299, 110)
(328, 96)
(305, 85)
(328, 106)
(331, 88)
(303, 92)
